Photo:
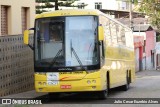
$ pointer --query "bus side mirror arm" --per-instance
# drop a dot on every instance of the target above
(32, 47)
(32, 29)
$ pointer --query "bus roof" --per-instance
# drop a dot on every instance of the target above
(77, 12)
(69, 12)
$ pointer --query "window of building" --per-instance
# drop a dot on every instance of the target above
(118, 5)
(81, 5)
(125, 5)
(4, 20)
(24, 16)
(98, 5)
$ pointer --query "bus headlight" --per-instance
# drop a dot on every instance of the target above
(88, 81)
(93, 81)
(40, 89)
(44, 83)
(39, 83)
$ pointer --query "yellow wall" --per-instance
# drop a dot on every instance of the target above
(14, 14)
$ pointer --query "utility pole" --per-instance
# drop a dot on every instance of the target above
(130, 14)
(56, 5)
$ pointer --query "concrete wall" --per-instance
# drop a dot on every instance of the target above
(16, 65)
(144, 63)
(157, 56)
(139, 38)
(150, 45)
(137, 59)
(14, 14)
(140, 34)
(147, 60)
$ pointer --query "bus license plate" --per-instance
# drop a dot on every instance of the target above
(66, 87)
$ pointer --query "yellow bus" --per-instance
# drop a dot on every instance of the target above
(81, 51)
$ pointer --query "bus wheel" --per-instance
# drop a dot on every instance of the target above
(103, 94)
(126, 86)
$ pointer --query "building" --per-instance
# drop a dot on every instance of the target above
(157, 56)
(16, 16)
(115, 8)
(145, 42)
(138, 47)
(103, 4)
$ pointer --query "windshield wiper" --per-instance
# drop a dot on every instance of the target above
(55, 58)
(75, 54)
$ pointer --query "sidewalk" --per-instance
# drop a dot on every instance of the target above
(28, 94)
(147, 73)
(34, 94)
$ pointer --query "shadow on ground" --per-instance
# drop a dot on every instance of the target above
(81, 98)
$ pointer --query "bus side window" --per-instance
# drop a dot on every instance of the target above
(121, 36)
(113, 32)
(102, 53)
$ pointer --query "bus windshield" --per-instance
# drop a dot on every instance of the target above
(57, 37)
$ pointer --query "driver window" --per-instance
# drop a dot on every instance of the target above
(56, 31)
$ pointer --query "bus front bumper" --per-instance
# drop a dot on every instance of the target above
(70, 86)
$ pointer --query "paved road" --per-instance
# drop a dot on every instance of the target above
(147, 85)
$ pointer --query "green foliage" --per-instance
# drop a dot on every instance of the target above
(158, 38)
(40, 9)
(134, 1)
(152, 9)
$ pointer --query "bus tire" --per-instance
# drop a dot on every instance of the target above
(127, 85)
(102, 95)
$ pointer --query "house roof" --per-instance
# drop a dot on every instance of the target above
(142, 28)
(140, 24)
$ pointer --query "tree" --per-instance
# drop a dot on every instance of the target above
(134, 1)
(152, 9)
(39, 9)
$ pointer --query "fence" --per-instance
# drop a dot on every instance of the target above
(16, 65)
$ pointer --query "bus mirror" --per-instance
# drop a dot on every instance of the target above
(101, 33)
(26, 37)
